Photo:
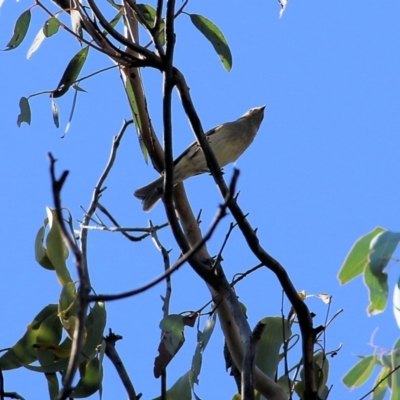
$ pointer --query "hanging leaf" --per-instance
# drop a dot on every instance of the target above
(283, 4)
(216, 38)
(171, 341)
(25, 112)
(54, 110)
(71, 73)
(57, 251)
(20, 30)
(90, 381)
(136, 117)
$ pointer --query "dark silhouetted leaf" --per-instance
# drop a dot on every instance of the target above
(25, 112)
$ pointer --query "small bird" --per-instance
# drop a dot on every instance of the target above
(228, 142)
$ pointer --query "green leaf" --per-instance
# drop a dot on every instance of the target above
(395, 381)
(380, 388)
(215, 36)
(382, 248)
(54, 110)
(275, 333)
(95, 325)
(25, 112)
(20, 30)
(51, 27)
(149, 14)
(136, 117)
(180, 390)
(115, 20)
(23, 351)
(360, 373)
(50, 330)
(357, 258)
(377, 284)
(71, 73)
(90, 381)
(172, 327)
(321, 372)
(57, 251)
(40, 250)
(114, 4)
(67, 303)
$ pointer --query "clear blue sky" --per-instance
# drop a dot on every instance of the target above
(322, 172)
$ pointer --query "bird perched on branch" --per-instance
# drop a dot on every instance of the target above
(228, 142)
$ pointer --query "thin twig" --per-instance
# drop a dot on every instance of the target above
(84, 283)
(380, 381)
(187, 256)
(245, 274)
(99, 186)
(151, 58)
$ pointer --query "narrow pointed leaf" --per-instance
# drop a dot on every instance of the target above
(23, 351)
(275, 333)
(20, 30)
(360, 373)
(136, 117)
(57, 250)
(216, 38)
(71, 73)
(395, 381)
(40, 250)
(54, 110)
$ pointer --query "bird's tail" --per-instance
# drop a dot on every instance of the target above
(150, 194)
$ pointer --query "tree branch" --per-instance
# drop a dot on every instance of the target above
(84, 284)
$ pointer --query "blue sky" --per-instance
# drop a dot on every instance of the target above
(322, 171)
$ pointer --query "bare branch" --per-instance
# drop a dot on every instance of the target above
(84, 283)
(114, 357)
(186, 257)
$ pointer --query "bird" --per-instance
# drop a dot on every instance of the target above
(228, 142)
